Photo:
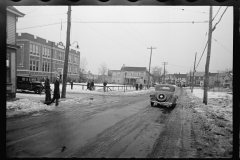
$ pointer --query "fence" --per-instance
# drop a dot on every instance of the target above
(84, 86)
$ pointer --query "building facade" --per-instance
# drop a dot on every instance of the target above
(39, 58)
(223, 79)
(131, 76)
(12, 48)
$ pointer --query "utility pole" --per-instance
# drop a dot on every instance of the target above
(191, 79)
(65, 69)
(150, 64)
(217, 80)
(205, 96)
(194, 69)
(164, 63)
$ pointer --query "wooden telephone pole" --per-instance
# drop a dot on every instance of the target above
(65, 69)
(164, 63)
(194, 70)
(150, 65)
(205, 95)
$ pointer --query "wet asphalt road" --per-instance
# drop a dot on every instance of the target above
(105, 126)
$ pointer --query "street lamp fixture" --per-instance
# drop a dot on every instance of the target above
(77, 44)
(124, 80)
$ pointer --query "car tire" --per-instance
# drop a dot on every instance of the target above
(151, 104)
(159, 97)
(37, 90)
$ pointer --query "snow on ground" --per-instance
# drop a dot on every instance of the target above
(30, 103)
(219, 103)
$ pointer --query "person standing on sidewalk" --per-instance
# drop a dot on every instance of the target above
(71, 84)
(56, 93)
(47, 90)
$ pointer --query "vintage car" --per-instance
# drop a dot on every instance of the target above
(26, 83)
(164, 95)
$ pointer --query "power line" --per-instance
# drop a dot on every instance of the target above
(188, 10)
(222, 45)
(216, 13)
(41, 26)
(43, 15)
(219, 20)
(137, 22)
(33, 10)
(212, 31)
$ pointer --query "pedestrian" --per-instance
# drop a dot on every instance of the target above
(71, 84)
(47, 89)
(136, 86)
(104, 86)
(56, 93)
(88, 85)
(140, 86)
(92, 85)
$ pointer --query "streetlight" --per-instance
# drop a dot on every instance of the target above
(124, 80)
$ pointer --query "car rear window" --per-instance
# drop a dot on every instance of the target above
(164, 88)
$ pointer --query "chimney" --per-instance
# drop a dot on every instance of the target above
(123, 65)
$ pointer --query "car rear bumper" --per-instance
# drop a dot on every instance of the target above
(166, 104)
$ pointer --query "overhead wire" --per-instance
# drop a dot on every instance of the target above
(32, 11)
(112, 39)
(187, 10)
(212, 31)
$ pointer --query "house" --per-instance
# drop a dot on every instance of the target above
(131, 76)
(198, 78)
(104, 78)
(180, 79)
(40, 57)
(11, 58)
(223, 79)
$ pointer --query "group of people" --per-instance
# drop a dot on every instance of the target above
(90, 85)
(56, 92)
(138, 85)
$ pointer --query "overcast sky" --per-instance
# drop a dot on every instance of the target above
(165, 28)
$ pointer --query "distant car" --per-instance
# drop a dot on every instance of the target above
(25, 83)
(164, 95)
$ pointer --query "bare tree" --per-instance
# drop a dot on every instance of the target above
(83, 63)
(156, 72)
(103, 70)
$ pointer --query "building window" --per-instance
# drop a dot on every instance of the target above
(43, 53)
(31, 46)
(45, 67)
(30, 65)
(37, 50)
(34, 52)
(37, 65)
(48, 67)
(8, 67)
(33, 65)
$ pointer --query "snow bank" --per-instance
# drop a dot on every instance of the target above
(25, 107)
(30, 103)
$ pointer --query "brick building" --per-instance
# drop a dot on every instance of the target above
(39, 58)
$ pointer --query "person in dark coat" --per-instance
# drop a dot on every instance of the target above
(88, 86)
(71, 84)
(92, 85)
(136, 86)
(140, 87)
(47, 90)
(56, 93)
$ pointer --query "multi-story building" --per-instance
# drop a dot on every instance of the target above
(39, 58)
(12, 48)
(223, 79)
(131, 76)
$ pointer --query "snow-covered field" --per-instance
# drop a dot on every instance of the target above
(30, 103)
(219, 103)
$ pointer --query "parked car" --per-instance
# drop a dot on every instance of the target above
(26, 83)
(164, 95)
